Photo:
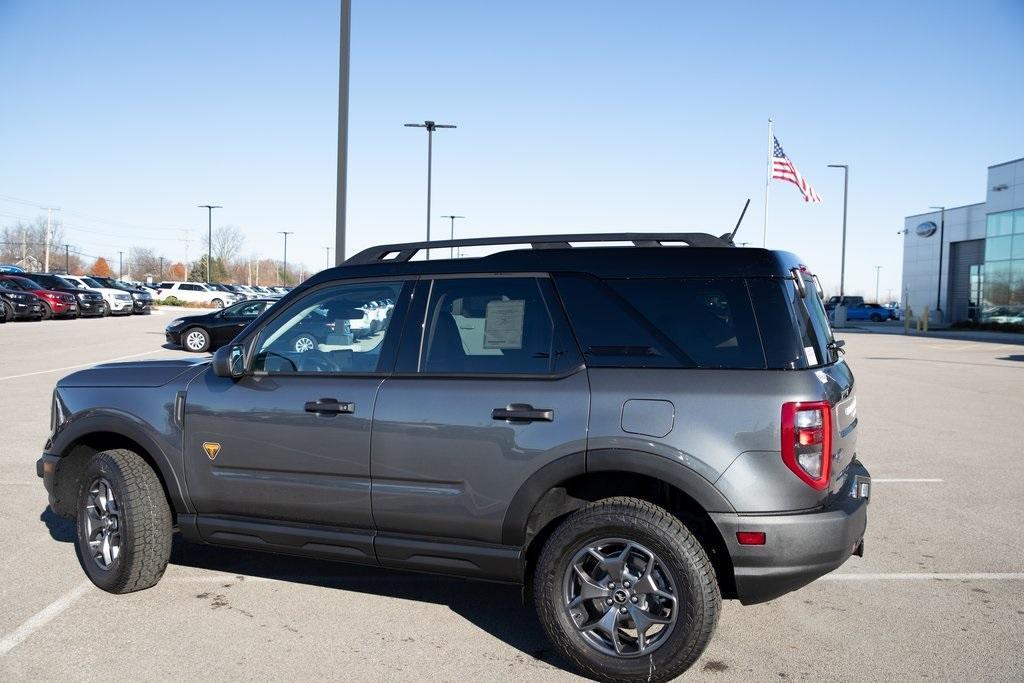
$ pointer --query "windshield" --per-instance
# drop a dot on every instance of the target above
(25, 283)
(90, 282)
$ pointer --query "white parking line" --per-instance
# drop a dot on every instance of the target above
(82, 365)
(41, 618)
(937, 576)
(907, 481)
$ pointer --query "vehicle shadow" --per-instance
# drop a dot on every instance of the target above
(495, 608)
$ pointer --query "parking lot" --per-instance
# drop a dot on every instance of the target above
(939, 593)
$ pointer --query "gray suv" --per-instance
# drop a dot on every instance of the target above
(633, 433)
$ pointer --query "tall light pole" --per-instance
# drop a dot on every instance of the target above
(942, 236)
(209, 235)
(345, 44)
(431, 127)
(452, 249)
(878, 272)
(284, 276)
(120, 265)
(842, 263)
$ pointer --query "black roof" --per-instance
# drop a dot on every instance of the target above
(708, 256)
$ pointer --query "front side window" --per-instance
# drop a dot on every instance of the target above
(331, 330)
(490, 325)
(247, 310)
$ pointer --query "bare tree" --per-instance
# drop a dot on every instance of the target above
(143, 261)
(228, 241)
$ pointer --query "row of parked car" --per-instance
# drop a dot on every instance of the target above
(217, 294)
(41, 296)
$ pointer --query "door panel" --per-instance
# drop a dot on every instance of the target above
(275, 460)
(442, 466)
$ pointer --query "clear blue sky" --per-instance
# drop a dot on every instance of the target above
(572, 116)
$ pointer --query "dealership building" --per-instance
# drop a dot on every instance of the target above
(969, 260)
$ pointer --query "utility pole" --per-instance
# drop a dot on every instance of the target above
(328, 250)
(431, 127)
(345, 45)
(452, 249)
(67, 259)
(186, 239)
(209, 235)
(878, 271)
(161, 268)
(120, 265)
(257, 272)
(284, 271)
(46, 254)
(842, 263)
(942, 237)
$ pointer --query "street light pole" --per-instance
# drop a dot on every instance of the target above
(942, 236)
(328, 250)
(452, 249)
(284, 271)
(878, 271)
(120, 265)
(344, 52)
(842, 263)
(209, 235)
(431, 127)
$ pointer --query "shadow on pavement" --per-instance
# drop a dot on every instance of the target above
(493, 607)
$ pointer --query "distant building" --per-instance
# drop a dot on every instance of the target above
(982, 247)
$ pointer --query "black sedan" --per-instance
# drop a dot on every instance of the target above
(16, 304)
(202, 333)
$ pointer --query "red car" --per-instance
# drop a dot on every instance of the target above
(55, 304)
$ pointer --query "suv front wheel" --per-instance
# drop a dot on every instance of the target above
(626, 592)
(124, 523)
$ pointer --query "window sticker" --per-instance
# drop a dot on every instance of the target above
(503, 325)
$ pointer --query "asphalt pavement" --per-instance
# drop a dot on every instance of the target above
(938, 595)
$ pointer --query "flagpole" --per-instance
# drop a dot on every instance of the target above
(767, 181)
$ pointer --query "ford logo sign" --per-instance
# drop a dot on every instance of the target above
(926, 229)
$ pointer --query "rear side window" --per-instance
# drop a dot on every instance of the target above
(795, 329)
(663, 322)
(492, 325)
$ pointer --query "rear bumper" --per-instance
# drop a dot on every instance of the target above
(799, 548)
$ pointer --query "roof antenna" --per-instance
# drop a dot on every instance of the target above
(728, 238)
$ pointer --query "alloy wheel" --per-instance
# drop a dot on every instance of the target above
(621, 597)
(304, 344)
(103, 524)
(195, 340)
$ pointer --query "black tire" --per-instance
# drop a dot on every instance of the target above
(218, 303)
(7, 310)
(105, 311)
(875, 318)
(47, 312)
(698, 599)
(144, 523)
(196, 333)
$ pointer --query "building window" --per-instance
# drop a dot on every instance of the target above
(1003, 277)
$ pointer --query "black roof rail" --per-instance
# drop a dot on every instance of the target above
(398, 253)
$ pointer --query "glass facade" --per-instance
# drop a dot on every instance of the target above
(1003, 278)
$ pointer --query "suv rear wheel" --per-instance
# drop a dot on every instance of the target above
(124, 523)
(626, 592)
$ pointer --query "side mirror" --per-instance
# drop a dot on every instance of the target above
(229, 361)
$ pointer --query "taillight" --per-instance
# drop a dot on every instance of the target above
(807, 441)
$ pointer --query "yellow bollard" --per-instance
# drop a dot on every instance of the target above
(924, 318)
(906, 320)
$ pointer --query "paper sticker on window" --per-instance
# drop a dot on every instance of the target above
(503, 326)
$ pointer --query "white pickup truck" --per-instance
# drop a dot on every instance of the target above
(194, 292)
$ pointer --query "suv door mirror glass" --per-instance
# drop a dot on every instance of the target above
(229, 361)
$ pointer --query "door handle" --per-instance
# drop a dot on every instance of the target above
(330, 406)
(523, 412)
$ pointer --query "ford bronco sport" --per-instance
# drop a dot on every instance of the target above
(631, 432)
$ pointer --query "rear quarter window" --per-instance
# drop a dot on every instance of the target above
(663, 322)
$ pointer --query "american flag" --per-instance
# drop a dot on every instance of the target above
(783, 169)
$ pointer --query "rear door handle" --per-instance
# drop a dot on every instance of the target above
(330, 406)
(523, 412)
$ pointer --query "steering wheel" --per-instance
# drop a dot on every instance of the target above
(315, 361)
